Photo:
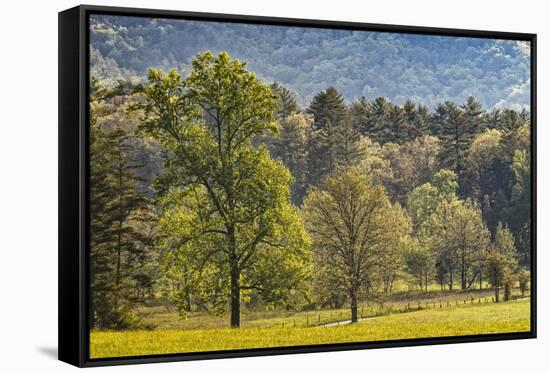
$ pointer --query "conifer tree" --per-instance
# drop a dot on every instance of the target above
(328, 108)
(456, 137)
(118, 245)
(286, 101)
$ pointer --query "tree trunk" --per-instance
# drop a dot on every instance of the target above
(235, 279)
(187, 296)
(426, 281)
(497, 293)
(507, 291)
(354, 306)
(480, 280)
(450, 279)
(235, 297)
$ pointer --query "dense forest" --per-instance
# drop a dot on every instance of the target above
(215, 190)
(424, 68)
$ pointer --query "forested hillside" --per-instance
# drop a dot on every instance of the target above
(424, 69)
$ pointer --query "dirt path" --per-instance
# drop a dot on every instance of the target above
(345, 322)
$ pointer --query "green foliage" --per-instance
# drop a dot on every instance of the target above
(456, 135)
(460, 240)
(419, 264)
(334, 141)
(291, 147)
(286, 101)
(354, 228)
(327, 108)
(119, 239)
(424, 200)
(410, 165)
(501, 263)
(524, 278)
(227, 203)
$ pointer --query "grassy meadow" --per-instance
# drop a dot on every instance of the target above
(470, 319)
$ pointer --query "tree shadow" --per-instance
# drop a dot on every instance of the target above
(50, 352)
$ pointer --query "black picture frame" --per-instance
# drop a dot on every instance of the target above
(74, 175)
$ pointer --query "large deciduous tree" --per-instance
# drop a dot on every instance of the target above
(352, 223)
(232, 223)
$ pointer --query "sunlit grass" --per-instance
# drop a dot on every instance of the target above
(166, 317)
(471, 319)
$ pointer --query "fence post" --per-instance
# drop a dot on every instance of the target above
(319, 318)
(307, 320)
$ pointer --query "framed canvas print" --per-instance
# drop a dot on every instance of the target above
(236, 186)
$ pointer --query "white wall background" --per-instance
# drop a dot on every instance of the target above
(28, 184)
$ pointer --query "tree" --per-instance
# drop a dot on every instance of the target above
(327, 107)
(240, 233)
(118, 243)
(460, 239)
(412, 164)
(495, 267)
(456, 134)
(483, 176)
(286, 101)
(502, 262)
(473, 114)
(379, 112)
(518, 209)
(329, 113)
(360, 116)
(419, 264)
(348, 150)
(395, 248)
(291, 147)
(524, 277)
(505, 243)
(351, 221)
(424, 200)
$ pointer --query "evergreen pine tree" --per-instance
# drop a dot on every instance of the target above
(456, 137)
(118, 245)
(286, 101)
(327, 108)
